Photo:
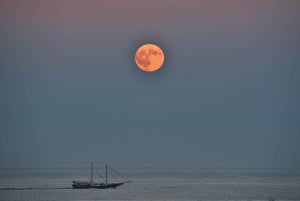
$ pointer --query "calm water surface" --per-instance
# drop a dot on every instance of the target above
(154, 184)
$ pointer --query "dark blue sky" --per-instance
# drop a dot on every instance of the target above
(228, 94)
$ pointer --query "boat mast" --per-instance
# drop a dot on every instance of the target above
(92, 172)
(105, 173)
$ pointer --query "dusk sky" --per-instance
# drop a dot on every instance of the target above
(228, 94)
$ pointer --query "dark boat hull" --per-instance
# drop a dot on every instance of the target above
(96, 185)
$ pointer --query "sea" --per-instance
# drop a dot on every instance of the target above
(153, 184)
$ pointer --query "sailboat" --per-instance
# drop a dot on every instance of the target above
(101, 185)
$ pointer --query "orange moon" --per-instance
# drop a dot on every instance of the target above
(149, 57)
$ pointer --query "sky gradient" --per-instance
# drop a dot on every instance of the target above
(227, 95)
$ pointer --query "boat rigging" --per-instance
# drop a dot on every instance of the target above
(100, 185)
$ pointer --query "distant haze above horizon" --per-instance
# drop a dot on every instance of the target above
(227, 96)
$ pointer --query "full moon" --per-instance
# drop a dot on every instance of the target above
(149, 57)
